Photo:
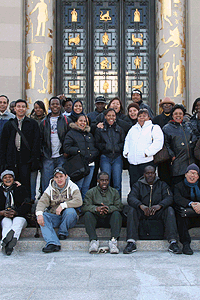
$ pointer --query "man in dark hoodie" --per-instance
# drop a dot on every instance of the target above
(136, 97)
(150, 198)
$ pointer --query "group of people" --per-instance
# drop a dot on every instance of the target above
(106, 139)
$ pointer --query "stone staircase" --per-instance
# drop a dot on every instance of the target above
(78, 240)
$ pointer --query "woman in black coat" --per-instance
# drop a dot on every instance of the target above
(79, 140)
(180, 141)
(110, 141)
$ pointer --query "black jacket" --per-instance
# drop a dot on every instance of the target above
(8, 151)
(182, 195)
(21, 200)
(79, 141)
(161, 120)
(122, 120)
(143, 105)
(45, 133)
(143, 193)
(195, 124)
(110, 140)
(180, 141)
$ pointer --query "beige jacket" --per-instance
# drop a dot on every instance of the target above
(52, 198)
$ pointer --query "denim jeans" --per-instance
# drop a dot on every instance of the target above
(84, 183)
(63, 222)
(47, 171)
(114, 167)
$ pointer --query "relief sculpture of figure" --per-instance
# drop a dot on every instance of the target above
(105, 39)
(137, 16)
(166, 78)
(73, 62)
(137, 62)
(49, 65)
(180, 68)
(42, 16)
(30, 63)
(105, 64)
(74, 15)
(174, 37)
(166, 11)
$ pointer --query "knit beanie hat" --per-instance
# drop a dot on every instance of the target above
(192, 167)
(7, 172)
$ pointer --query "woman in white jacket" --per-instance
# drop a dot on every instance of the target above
(142, 142)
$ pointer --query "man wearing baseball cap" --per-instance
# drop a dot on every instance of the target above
(166, 104)
(100, 103)
(56, 209)
(136, 97)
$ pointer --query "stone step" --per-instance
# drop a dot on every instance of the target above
(82, 244)
(79, 232)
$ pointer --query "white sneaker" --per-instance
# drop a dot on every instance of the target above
(113, 246)
(94, 246)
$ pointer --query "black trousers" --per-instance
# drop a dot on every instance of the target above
(184, 224)
(136, 171)
(93, 221)
(166, 215)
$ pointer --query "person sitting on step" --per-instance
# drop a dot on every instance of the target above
(151, 199)
(15, 204)
(102, 208)
(56, 208)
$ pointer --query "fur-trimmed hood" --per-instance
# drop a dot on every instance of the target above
(76, 127)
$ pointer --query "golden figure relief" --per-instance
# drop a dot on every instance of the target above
(161, 55)
(106, 86)
(181, 79)
(137, 40)
(75, 40)
(166, 78)
(49, 66)
(74, 15)
(166, 11)
(174, 37)
(73, 62)
(42, 16)
(138, 86)
(137, 16)
(30, 63)
(73, 88)
(46, 103)
(43, 80)
(50, 33)
(177, 1)
(137, 62)
(105, 17)
(105, 64)
(105, 39)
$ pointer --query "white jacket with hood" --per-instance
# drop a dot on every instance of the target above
(139, 141)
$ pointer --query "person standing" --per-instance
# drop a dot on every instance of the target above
(4, 114)
(136, 97)
(19, 145)
(53, 130)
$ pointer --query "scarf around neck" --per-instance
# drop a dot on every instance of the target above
(194, 190)
(8, 192)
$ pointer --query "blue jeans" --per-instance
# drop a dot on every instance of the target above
(47, 171)
(84, 183)
(114, 167)
(67, 220)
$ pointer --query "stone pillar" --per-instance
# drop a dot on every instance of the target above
(40, 34)
(170, 50)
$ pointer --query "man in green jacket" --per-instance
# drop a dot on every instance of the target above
(102, 207)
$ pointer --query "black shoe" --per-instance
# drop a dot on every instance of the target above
(10, 246)
(51, 248)
(62, 237)
(8, 238)
(187, 250)
(130, 248)
(174, 248)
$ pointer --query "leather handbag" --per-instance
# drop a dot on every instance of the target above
(76, 167)
(161, 155)
(186, 212)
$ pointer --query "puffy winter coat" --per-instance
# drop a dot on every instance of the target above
(110, 140)
(149, 195)
(180, 141)
(139, 141)
(79, 141)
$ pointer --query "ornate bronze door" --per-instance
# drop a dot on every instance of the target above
(105, 48)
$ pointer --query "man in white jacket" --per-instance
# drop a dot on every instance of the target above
(56, 209)
(142, 142)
